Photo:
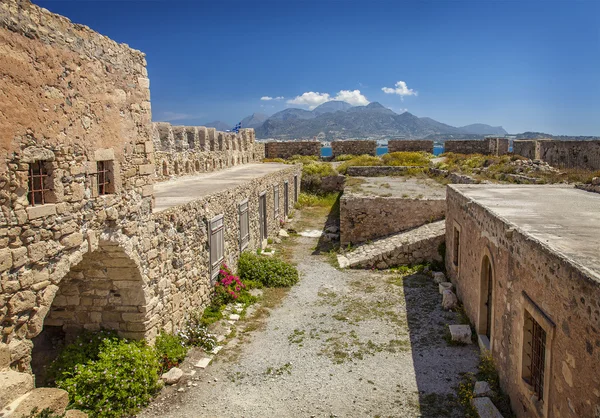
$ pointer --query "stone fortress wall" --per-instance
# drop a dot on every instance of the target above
(89, 256)
(288, 149)
(353, 147)
(402, 145)
(526, 274)
(566, 154)
(487, 146)
(185, 150)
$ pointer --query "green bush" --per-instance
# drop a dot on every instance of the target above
(86, 347)
(304, 159)
(312, 176)
(309, 199)
(361, 160)
(344, 157)
(120, 381)
(272, 272)
(408, 159)
(170, 350)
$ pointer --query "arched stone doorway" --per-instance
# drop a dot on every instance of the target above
(486, 298)
(104, 291)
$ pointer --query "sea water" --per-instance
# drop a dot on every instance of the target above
(326, 151)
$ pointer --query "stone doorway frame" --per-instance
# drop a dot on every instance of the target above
(485, 320)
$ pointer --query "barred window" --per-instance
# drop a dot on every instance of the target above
(37, 180)
(456, 250)
(244, 225)
(216, 245)
(285, 198)
(534, 355)
(104, 175)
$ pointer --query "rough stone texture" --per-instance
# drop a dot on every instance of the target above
(56, 400)
(487, 146)
(330, 184)
(543, 245)
(172, 376)
(460, 333)
(365, 215)
(439, 277)
(406, 145)
(415, 246)
(449, 300)
(375, 171)
(13, 385)
(444, 286)
(353, 147)
(566, 154)
(287, 149)
(485, 408)
(84, 261)
(482, 388)
(188, 150)
(454, 178)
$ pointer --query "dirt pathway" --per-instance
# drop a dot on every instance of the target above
(341, 343)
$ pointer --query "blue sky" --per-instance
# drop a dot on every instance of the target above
(525, 65)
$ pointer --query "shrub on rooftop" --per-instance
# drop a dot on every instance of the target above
(361, 160)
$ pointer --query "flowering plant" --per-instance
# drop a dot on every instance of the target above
(228, 286)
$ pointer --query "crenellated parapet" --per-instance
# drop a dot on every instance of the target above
(186, 150)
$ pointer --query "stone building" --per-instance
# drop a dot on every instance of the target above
(525, 261)
(108, 220)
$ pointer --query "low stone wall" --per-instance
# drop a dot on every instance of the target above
(330, 184)
(525, 148)
(418, 245)
(364, 218)
(186, 150)
(288, 149)
(487, 146)
(376, 171)
(353, 147)
(399, 145)
(454, 178)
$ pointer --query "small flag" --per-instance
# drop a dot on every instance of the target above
(237, 128)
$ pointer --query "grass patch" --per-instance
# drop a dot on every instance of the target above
(314, 200)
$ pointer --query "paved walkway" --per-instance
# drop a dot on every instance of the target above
(185, 189)
(349, 343)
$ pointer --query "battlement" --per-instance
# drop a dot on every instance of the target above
(487, 146)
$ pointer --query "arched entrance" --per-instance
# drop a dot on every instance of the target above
(486, 298)
(104, 291)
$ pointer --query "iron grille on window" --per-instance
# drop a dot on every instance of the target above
(103, 177)
(37, 179)
(285, 198)
(217, 245)
(244, 225)
(536, 355)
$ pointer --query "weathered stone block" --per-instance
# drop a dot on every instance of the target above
(56, 400)
(449, 299)
(485, 408)
(460, 333)
(14, 384)
(36, 212)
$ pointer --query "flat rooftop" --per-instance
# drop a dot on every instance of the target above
(189, 188)
(404, 187)
(565, 219)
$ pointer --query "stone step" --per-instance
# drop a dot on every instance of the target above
(13, 385)
(410, 247)
(56, 400)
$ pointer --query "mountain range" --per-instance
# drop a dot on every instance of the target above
(340, 120)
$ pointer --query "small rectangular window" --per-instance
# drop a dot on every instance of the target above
(37, 180)
(285, 198)
(456, 254)
(104, 174)
(244, 225)
(276, 200)
(534, 355)
(216, 245)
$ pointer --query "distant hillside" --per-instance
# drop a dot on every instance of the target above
(340, 120)
(254, 120)
(482, 129)
(218, 125)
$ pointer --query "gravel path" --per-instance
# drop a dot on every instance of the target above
(342, 343)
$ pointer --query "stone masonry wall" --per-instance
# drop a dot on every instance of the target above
(376, 171)
(69, 98)
(487, 146)
(525, 148)
(185, 150)
(353, 147)
(398, 145)
(523, 268)
(364, 218)
(288, 149)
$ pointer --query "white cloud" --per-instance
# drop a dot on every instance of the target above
(313, 99)
(354, 97)
(401, 89)
(267, 98)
